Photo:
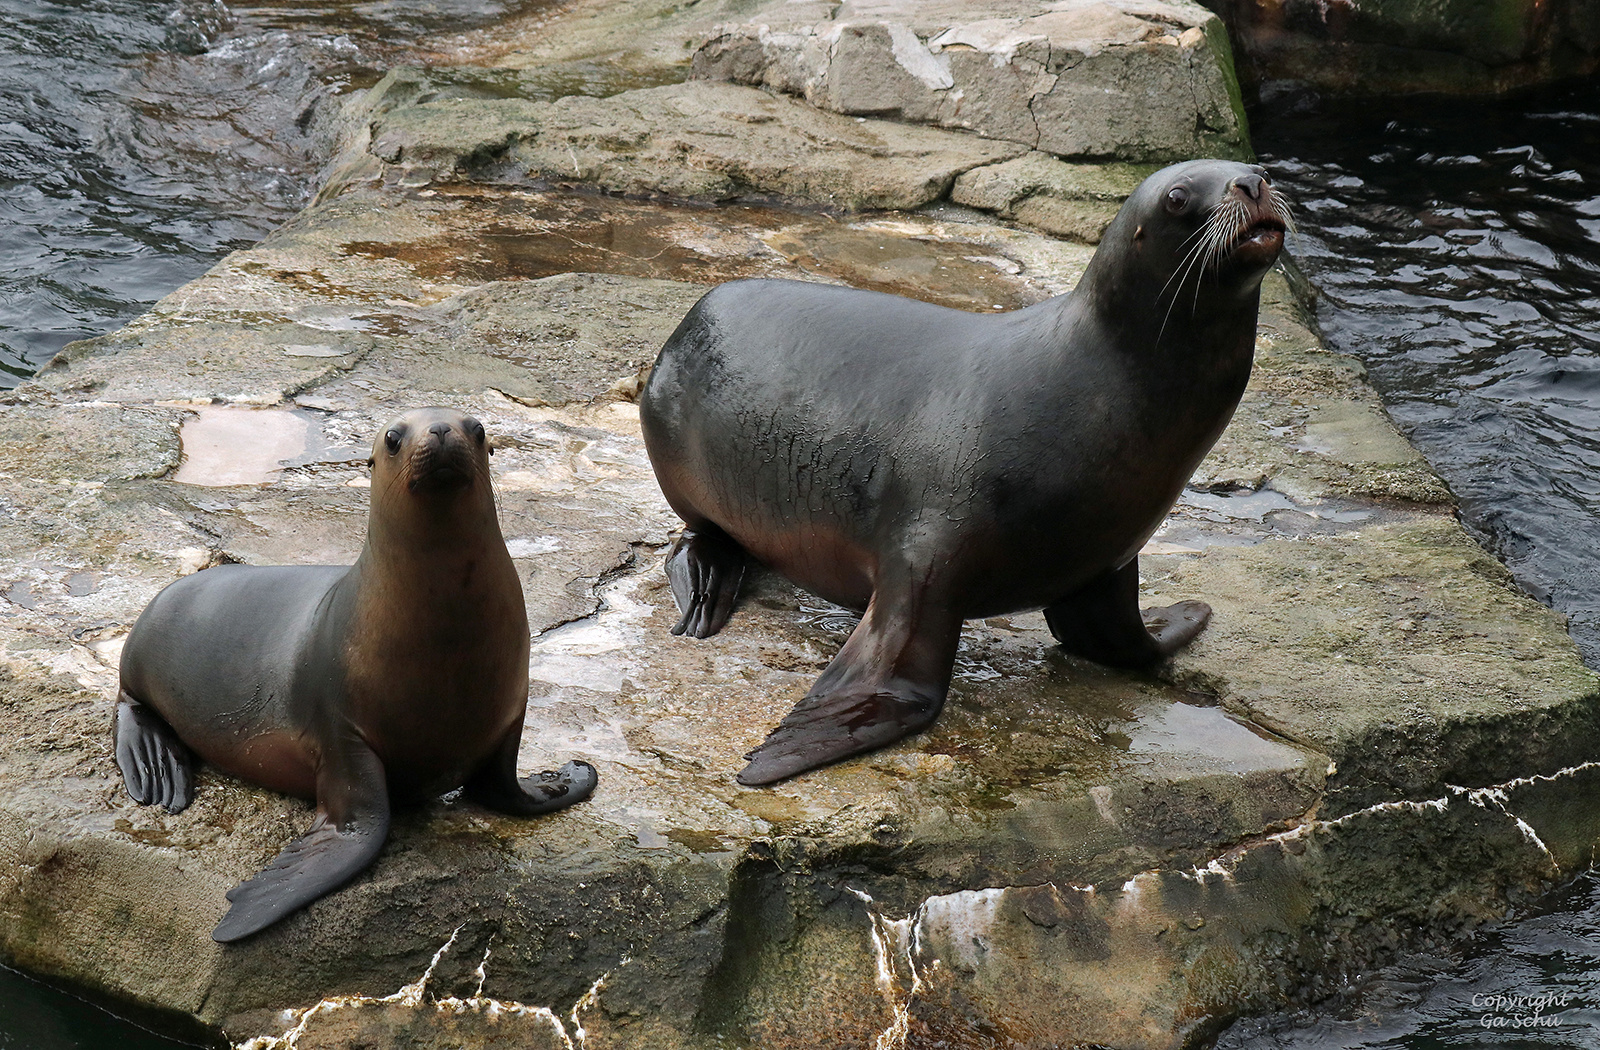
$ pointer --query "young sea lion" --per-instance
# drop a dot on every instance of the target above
(929, 466)
(402, 676)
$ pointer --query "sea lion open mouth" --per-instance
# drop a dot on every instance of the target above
(437, 476)
(1265, 234)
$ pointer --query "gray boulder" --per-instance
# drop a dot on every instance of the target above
(1128, 80)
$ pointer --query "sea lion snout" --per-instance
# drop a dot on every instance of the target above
(1261, 217)
(433, 449)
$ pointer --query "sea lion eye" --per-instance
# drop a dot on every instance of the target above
(1177, 199)
(475, 428)
(391, 441)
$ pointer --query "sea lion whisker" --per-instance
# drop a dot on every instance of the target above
(1228, 221)
(1281, 208)
(1202, 238)
(1191, 262)
(1188, 264)
(1180, 272)
(1189, 245)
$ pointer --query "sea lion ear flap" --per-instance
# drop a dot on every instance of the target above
(1138, 233)
(371, 462)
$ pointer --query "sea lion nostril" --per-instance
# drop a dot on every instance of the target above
(1252, 185)
(441, 429)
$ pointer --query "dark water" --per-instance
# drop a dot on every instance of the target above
(1457, 249)
(142, 140)
(1532, 985)
(34, 1016)
(1457, 246)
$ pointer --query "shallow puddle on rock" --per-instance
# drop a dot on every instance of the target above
(591, 653)
(879, 258)
(1208, 737)
(526, 236)
(227, 445)
(1248, 506)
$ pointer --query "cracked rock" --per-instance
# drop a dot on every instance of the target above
(1126, 80)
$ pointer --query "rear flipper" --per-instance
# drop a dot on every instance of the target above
(497, 786)
(888, 682)
(351, 826)
(705, 568)
(1101, 621)
(157, 767)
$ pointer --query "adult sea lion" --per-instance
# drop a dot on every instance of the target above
(402, 676)
(928, 466)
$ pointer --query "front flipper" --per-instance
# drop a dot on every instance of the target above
(156, 766)
(888, 682)
(496, 785)
(351, 826)
(705, 568)
(1101, 621)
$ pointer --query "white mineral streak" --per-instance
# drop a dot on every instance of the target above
(1213, 867)
(589, 999)
(1496, 798)
(892, 940)
(915, 58)
(1133, 889)
(965, 917)
(998, 38)
(412, 995)
(1405, 805)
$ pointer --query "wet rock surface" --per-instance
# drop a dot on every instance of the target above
(1376, 738)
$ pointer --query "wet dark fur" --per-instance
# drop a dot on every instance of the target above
(928, 465)
(402, 676)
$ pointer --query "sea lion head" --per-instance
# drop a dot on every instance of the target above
(1215, 224)
(433, 454)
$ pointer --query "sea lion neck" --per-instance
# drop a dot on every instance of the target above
(432, 525)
